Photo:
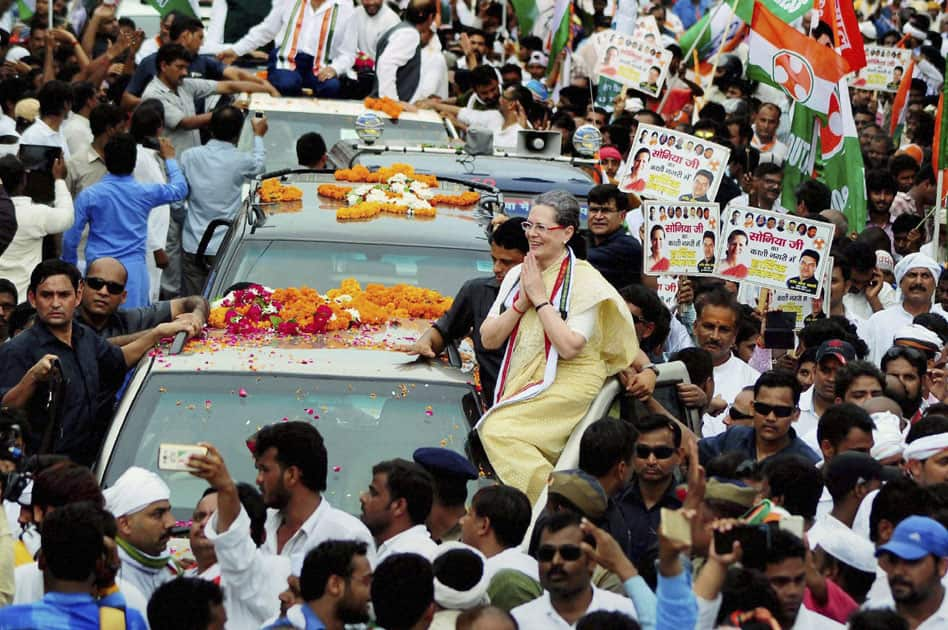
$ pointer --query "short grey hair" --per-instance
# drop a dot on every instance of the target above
(564, 205)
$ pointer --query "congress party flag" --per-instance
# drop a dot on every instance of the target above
(843, 168)
(558, 37)
(900, 104)
(781, 56)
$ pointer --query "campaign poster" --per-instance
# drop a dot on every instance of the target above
(668, 292)
(671, 165)
(773, 250)
(885, 67)
(640, 63)
(804, 308)
(680, 237)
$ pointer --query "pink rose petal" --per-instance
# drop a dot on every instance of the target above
(242, 392)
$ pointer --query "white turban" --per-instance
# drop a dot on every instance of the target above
(913, 261)
(921, 338)
(451, 599)
(928, 446)
(887, 436)
(135, 490)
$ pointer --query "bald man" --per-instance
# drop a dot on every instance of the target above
(104, 293)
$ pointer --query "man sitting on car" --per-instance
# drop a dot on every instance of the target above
(508, 246)
(104, 292)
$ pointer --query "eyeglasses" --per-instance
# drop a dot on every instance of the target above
(602, 210)
(781, 411)
(660, 452)
(543, 229)
(96, 284)
(638, 319)
(736, 414)
(569, 553)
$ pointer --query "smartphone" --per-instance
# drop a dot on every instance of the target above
(175, 456)
(675, 526)
(754, 539)
(258, 114)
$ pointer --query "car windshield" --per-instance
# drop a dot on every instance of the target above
(286, 127)
(363, 422)
(323, 265)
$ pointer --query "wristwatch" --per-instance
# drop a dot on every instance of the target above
(653, 367)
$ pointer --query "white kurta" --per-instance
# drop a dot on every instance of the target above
(370, 27)
(149, 169)
(729, 379)
(413, 540)
(857, 305)
(880, 329)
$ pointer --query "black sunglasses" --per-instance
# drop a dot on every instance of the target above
(736, 414)
(896, 352)
(569, 553)
(781, 411)
(661, 452)
(115, 288)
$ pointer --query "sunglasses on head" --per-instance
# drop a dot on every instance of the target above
(661, 452)
(115, 288)
(736, 414)
(781, 411)
(897, 352)
(569, 553)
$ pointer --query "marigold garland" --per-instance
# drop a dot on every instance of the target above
(386, 105)
(272, 190)
(466, 198)
(333, 191)
(360, 174)
(303, 310)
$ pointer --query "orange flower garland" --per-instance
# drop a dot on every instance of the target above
(272, 190)
(386, 105)
(332, 191)
(293, 311)
(360, 174)
(466, 198)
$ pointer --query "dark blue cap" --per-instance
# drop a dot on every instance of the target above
(444, 461)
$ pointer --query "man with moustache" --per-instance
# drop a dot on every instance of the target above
(915, 560)
(916, 275)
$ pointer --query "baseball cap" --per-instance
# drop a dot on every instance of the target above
(848, 469)
(916, 537)
(582, 490)
(836, 348)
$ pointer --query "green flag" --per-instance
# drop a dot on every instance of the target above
(802, 145)
(164, 7)
(526, 12)
(786, 10)
(558, 38)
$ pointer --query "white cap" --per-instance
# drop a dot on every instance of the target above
(134, 491)
(843, 544)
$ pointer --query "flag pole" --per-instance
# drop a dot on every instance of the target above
(707, 25)
(939, 188)
(717, 55)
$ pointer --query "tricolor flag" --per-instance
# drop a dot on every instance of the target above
(783, 57)
(900, 104)
(940, 145)
(843, 168)
(558, 37)
(720, 30)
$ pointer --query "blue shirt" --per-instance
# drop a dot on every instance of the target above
(312, 621)
(689, 13)
(618, 258)
(64, 611)
(216, 172)
(744, 440)
(116, 210)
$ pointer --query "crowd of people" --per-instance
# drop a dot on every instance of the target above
(811, 493)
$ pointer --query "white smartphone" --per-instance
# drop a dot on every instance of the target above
(175, 456)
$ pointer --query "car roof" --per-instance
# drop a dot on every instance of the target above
(510, 174)
(314, 219)
(333, 107)
(368, 352)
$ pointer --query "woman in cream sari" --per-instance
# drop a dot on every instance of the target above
(568, 331)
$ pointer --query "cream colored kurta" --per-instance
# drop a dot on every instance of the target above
(524, 439)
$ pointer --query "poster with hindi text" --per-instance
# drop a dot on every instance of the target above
(680, 238)
(671, 165)
(667, 289)
(805, 308)
(773, 250)
(885, 67)
(640, 63)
